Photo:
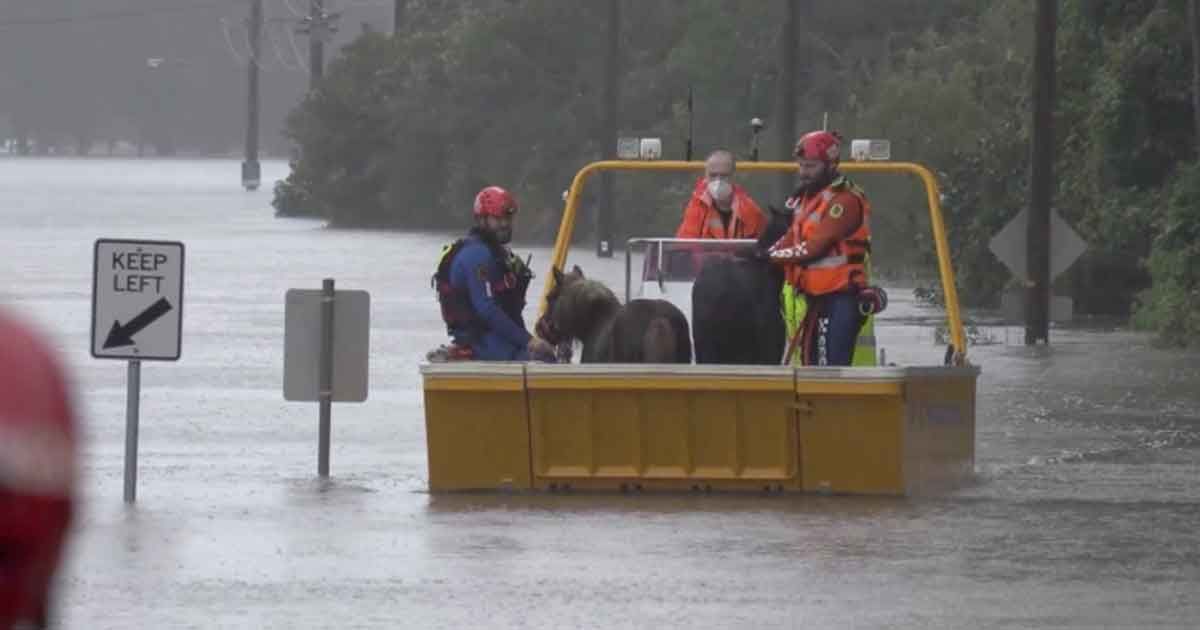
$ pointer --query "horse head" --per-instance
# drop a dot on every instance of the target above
(546, 327)
(574, 306)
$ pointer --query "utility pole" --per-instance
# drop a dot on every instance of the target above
(316, 42)
(319, 26)
(251, 170)
(787, 93)
(612, 97)
(398, 17)
(1037, 295)
(1194, 24)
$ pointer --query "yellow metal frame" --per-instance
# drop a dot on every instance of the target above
(566, 227)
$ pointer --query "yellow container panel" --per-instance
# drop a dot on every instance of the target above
(712, 434)
(665, 451)
(855, 431)
(560, 448)
(940, 452)
(615, 443)
(476, 428)
(768, 437)
(852, 444)
(668, 425)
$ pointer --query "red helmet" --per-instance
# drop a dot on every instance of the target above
(37, 471)
(494, 201)
(825, 146)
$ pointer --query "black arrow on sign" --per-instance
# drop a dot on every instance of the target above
(123, 335)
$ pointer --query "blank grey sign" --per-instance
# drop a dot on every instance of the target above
(302, 345)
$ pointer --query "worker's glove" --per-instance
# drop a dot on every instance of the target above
(563, 352)
(872, 300)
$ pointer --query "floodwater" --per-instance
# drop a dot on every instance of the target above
(1086, 513)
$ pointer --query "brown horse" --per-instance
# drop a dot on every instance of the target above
(642, 331)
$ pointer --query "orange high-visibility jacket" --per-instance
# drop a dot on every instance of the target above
(829, 240)
(702, 220)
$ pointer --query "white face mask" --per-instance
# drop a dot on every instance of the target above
(720, 190)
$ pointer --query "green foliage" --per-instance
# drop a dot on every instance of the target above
(405, 130)
(1172, 305)
(954, 102)
(369, 149)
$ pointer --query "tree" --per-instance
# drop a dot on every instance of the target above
(404, 132)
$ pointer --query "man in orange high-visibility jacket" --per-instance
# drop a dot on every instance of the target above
(825, 251)
(719, 208)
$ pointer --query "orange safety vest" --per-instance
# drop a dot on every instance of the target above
(746, 222)
(842, 266)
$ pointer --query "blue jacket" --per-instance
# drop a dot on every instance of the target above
(478, 271)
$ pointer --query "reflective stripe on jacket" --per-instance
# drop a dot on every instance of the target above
(842, 266)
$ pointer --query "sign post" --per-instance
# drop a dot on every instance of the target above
(137, 315)
(133, 381)
(326, 337)
(325, 371)
(1010, 246)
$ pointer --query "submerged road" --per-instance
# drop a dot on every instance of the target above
(1086, 513)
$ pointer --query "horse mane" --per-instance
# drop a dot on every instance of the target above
(582, 303)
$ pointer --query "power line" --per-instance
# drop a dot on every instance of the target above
(117, 15)
(279, 52)
(238, 58)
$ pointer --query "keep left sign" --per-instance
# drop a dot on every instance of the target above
(137, 299)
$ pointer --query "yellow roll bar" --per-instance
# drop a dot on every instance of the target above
(567, 226)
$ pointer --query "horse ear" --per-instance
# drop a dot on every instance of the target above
(558, 275)
(577, 271)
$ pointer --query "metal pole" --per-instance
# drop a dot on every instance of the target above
(756, 125)
(1037, 302)
(251, 170)
(325, 376)
(605, 221)
(628, 261)
(1194, 27)
(787, 93)
(687, 157)
(132, 394)
(398, 17)
(316, 44)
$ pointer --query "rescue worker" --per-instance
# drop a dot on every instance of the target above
(824, 255)
(720, 208)
(37, 473)
(481, 286)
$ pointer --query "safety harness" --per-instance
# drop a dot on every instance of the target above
(509, 291)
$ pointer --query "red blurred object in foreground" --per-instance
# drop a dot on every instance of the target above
(38, 446)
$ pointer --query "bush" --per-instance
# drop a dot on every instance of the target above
(293, 200)
(1171, 306)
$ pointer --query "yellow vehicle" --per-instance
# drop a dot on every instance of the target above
(560, 427)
